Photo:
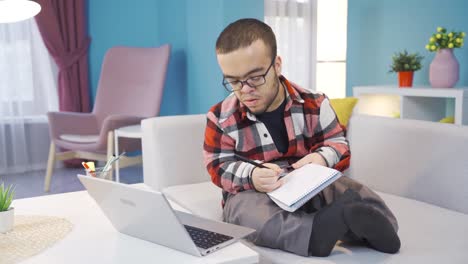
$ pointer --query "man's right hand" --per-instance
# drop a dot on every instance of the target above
(266, 179)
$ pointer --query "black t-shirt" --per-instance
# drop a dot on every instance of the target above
(274, 122)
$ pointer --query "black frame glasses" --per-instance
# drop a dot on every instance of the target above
(253, 81)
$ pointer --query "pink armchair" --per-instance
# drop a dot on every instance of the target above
(130, 89)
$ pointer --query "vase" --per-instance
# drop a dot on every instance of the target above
(405, 79)
(7, 220)
(444, 69)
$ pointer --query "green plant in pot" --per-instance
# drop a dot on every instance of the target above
(6, 211)
(406, 64)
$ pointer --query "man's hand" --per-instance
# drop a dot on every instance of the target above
(310, 158)
(266, 180)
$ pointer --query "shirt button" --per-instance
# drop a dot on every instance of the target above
(265, 135)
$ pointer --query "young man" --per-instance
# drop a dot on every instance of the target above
(268, 118)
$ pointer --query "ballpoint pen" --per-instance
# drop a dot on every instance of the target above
(251, 161)
(110, 161)
(259, 165)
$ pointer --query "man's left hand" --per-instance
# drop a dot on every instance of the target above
(310, 158)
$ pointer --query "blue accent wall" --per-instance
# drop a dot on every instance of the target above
(193, 82)
(204, 23)
(377, 29)
(118, 23)
(173, 30)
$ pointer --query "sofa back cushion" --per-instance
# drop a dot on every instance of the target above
(423, 160)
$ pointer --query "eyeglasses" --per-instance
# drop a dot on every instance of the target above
(254, 81)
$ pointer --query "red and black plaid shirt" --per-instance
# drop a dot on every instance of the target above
(231, 129)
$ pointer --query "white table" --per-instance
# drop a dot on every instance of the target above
(94, 240)
(127, 132)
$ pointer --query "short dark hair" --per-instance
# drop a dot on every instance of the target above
(244, 32)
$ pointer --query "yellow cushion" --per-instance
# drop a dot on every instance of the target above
(396, 114)
(343, 108)
(448, 120)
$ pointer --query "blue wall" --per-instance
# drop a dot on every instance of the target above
(204, 23)
(173, 30)
(114, 23)
(377, 29)
(191, 27)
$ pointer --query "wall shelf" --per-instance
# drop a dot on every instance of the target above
(421, 103)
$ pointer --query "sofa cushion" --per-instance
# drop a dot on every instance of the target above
(343, 108)
(429, 234)
(80, 138)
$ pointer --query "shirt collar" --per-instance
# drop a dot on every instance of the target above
(292, 95)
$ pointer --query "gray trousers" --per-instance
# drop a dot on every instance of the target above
(280, 229)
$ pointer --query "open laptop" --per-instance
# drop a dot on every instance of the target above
(146, 214)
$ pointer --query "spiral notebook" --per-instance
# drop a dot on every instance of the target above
(302, 184)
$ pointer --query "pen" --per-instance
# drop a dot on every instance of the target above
(85, 166)
(112, 160)
(91, 165)
(251, 161)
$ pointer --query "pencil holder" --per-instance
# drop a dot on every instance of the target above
(100, 173)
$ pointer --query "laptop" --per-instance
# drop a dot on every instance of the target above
(146, 214)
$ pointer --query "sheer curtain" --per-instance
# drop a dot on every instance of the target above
(294, 23)
(27, 92)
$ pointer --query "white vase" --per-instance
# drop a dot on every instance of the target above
(7, 220)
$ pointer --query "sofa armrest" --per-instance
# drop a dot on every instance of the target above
(173, 150)
(421, 160)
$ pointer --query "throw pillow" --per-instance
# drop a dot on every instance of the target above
(343, 108)
(448, 120)
(396, 114)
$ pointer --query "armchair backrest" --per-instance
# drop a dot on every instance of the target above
(131, 82)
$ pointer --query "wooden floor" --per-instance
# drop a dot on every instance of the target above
(31, 184)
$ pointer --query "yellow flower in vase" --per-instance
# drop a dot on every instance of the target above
(444, 69)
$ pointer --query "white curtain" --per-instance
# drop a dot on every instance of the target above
(27, 91)
(294, 23)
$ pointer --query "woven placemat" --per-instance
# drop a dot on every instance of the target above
(31, 235)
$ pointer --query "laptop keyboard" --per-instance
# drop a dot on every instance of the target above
(205, 239)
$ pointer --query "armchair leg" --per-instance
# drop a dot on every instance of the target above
(110, 151)
(50, 166)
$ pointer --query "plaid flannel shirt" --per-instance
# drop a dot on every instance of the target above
(231, 129)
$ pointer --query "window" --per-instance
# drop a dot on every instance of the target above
(16, 55)
(311, 36)
(27, 92)
(331, 47)
(291, 22)
(28, 86)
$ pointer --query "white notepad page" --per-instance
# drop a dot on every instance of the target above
(302, 181)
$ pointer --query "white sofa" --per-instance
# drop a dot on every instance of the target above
(419, 168)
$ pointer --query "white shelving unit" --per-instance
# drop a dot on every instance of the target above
(421, 103)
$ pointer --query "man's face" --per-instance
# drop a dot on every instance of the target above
(250, 61)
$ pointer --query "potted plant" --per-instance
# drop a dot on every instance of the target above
(405, 64)
(444, 69)
(6, 212)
